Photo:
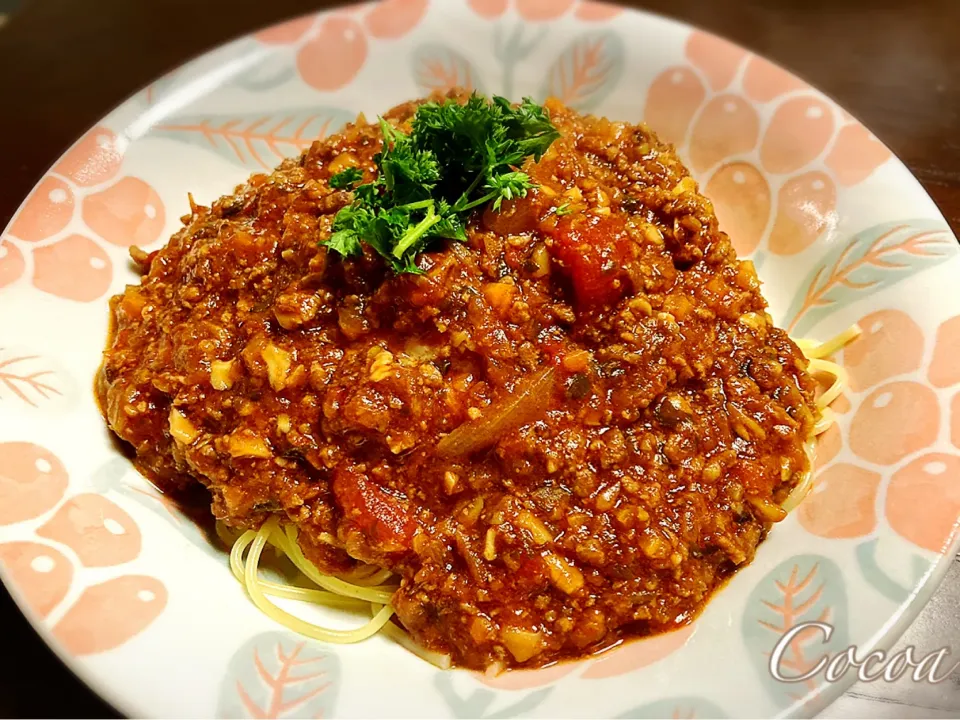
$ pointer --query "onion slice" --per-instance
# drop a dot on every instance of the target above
(528, 403)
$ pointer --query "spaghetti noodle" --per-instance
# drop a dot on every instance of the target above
(817, 353)
(245, 555)
(368, 587)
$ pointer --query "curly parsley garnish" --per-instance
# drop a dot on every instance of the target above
(346, 179)
(457, 158)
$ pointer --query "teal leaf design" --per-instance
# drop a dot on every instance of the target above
(872, 260)
(438, 67)
(256, 141)
(759, 258)
(478, 702)
(587, 70)
(511, 50)
(805, 588)
(677, 707)
(883, 583)
(279, 675)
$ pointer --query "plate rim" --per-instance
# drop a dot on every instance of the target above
(825, 695)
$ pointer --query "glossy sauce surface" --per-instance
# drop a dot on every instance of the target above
(635, 418)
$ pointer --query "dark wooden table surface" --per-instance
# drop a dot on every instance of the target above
(65, 63)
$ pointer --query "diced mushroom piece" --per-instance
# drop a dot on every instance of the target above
(685, 186)
(278, 365)
(533, 525)
(591, 552)
(744, 425)
(343, 161)
(752, 320)
(522, 644)
(641, 305)
(294, 309)
(222, 374)
(747, 275)
(678, 305)
(499, 295)
(133, 303)
(607, 497)
(248, 444)
(654, 546)
(450, 482)
(381, 367)
(563, 573)
(490, 545)
(352, 322)
(181, 429)
(140, 256)
(652, 234)
(471, 512)
(540, 261)
(766, 510)
(673, 409)
(712, 471)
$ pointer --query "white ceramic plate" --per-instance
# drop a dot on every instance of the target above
(141, 604)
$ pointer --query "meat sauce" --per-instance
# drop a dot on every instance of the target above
(295, 383)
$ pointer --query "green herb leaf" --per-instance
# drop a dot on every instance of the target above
(346, 179)
(457, 158)
(345, 242)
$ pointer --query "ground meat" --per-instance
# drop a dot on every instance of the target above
(295, 383)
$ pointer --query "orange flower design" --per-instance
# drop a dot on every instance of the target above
(545, 10)
(892, 438)
(32, 481)
(97, 531)
(332, 48)
(42, 574)
(769, 150)
(81, 192)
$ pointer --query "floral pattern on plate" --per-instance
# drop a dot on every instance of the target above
(81, 191)
(773, 150)
(137, 596)
(86, 530)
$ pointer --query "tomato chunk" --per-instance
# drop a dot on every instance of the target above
(593, 250)
(384, 519)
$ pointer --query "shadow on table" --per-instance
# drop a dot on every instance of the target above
(46, 688)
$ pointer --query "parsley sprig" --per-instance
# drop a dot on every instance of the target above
(346, 178)
(458, 157)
